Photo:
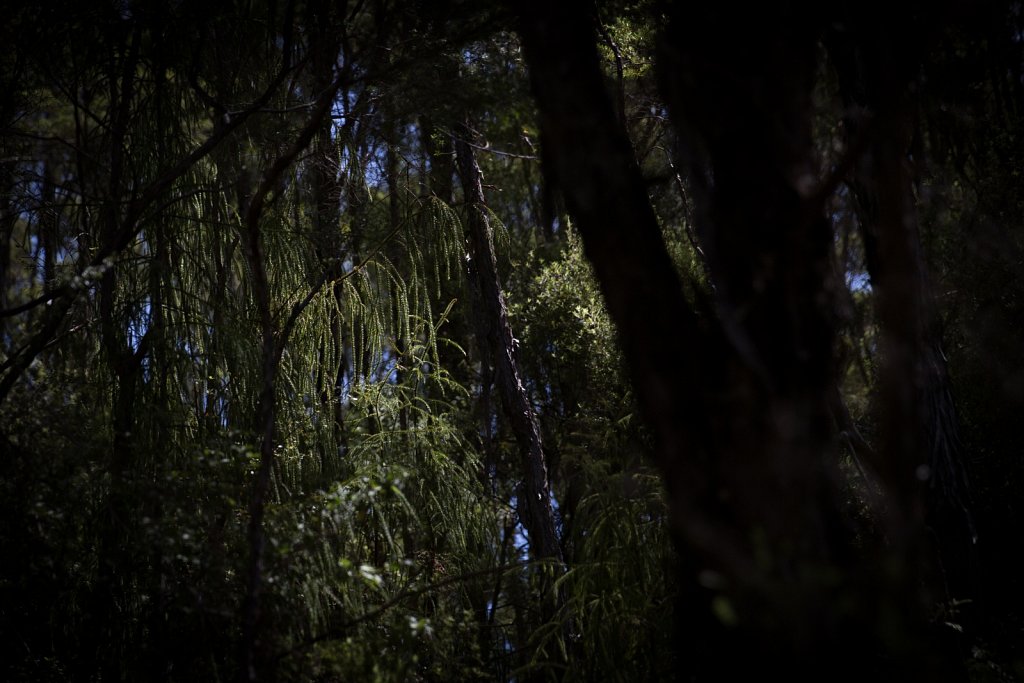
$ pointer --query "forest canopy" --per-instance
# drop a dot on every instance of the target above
(480, 341)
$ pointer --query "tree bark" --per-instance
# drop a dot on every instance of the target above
(535, 498)
(738, 406)
(920, 456)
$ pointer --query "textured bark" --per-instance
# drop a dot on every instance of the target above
(588, 156)
(738, 407)
(535, 499)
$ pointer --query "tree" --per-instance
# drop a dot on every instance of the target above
(743, 436)
(462, 341)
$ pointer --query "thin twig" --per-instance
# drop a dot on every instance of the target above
(490, 150)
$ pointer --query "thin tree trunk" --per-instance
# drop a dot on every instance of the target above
(535, 499)
(326, 192)
(253, 650)
(8, 219)
(115, 543)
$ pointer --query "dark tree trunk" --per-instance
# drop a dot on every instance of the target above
(535, 499)
(440, 157)
(920, 456)
(327, 190)
(738, 407)
(115, 558)
(253, 647)
(8, 219)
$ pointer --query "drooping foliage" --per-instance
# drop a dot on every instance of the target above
(262, 390)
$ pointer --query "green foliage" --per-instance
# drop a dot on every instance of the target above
(131, 345)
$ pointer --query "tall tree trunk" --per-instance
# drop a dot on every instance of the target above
(49, 227)
(8, 219)
(253, 648)
(535, 500)
(115, 558)
(920, 455)
(738, 407)
(440, 157)
(326, 191)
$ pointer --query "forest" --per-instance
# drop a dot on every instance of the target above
(480, 340)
